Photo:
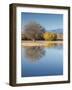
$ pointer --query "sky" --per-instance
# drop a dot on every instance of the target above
(48, 21)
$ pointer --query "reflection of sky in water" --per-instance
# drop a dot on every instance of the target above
(51, 63)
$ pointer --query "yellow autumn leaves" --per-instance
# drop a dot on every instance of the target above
(49, 36)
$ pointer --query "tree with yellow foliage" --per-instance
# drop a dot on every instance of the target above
(49, 36)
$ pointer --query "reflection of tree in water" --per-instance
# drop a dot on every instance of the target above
(54, 45)
(34, 53)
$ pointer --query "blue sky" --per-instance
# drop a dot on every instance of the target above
(48, 21)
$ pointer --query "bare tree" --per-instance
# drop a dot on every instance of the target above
(33, 31)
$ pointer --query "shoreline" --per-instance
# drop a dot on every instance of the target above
(40, 43)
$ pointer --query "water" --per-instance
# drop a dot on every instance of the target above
(42, 61)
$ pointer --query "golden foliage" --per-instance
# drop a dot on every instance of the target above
(49, 36)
